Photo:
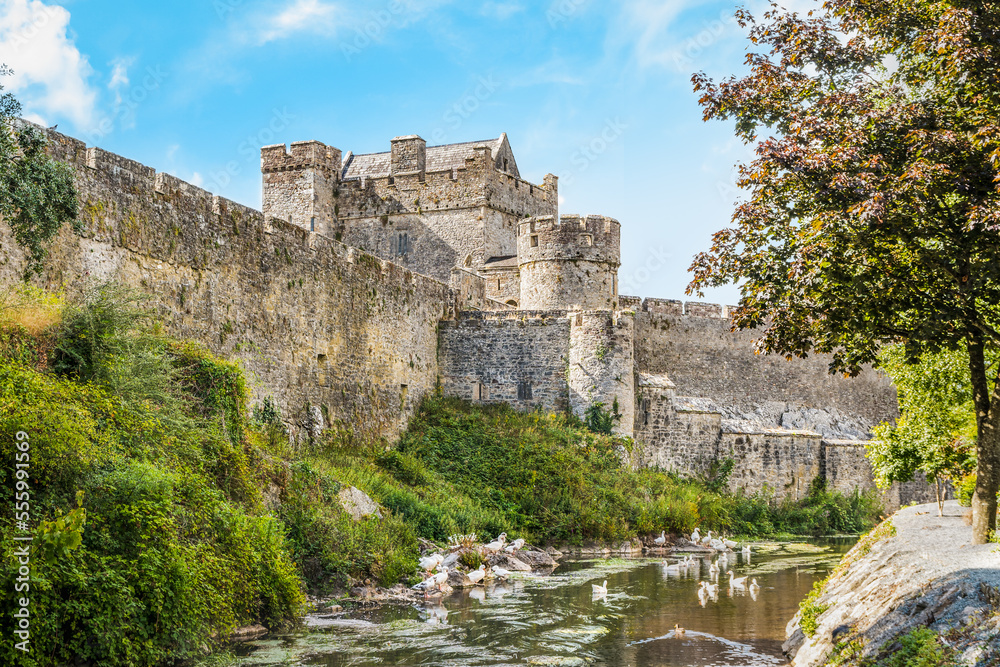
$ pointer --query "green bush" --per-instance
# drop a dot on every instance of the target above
(919, 648)
(965, 489)
(811, 610)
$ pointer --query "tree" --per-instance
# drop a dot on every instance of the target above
(873, 212)
(37, 195)
(936, 431)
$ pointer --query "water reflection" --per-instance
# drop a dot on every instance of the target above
(562, 619)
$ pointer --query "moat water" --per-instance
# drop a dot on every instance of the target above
(556, 619)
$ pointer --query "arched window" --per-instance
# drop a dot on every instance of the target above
(512, 303)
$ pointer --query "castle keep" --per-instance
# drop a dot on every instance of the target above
(369, 281)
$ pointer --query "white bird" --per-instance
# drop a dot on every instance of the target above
(428, 563)
(730, 544)
(478, 594)
(500, 573)
(712, 590)
(754, 590)
(515, 545)
(498, 544)
(718, 545)
(696, 536)
(600, 590)
(662, 539)
(672, 569)
(477, 575)
(713, 569)
(753, 584)
(441, 577)
(707, 540)
(746, 549)
(737, 582)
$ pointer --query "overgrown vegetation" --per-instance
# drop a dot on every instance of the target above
(811, 609)
(170, 515)
(37, 195)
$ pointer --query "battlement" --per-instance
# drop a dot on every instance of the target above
(593, 238)
(303, 155)
(674, 308)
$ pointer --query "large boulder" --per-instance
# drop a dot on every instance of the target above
(537, 560)
(508, 562)
(358, 504)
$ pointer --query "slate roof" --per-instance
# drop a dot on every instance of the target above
(439, 158)
(507, 262)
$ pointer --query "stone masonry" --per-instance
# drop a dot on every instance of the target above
(370, 281)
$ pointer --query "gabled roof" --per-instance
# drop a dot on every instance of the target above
(439, 158)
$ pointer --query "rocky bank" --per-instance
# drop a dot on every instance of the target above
(922, 571)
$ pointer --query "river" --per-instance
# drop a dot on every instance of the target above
(557, 620)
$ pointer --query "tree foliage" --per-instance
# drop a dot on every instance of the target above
(37, 195)
(873, 213)
(936, 432)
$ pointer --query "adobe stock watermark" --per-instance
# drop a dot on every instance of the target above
(124, 111)
(633, 281)
(22, 518)
(41, 16)
(591, 152)
(225, 7)
(249, 148)
(460, 111)
(562, 11)
(694, 46)
(372, 29)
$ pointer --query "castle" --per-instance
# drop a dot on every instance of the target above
(369, 281)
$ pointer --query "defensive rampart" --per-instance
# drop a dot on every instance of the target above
(314, 322)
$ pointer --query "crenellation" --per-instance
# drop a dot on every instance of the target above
(697, 309)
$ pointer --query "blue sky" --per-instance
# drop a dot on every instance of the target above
(598, 93)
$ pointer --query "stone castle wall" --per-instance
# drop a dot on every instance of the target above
(601, 364)
(516, 357)
(312, 320)
(694, 345)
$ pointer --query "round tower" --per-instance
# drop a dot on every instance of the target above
(569, 263)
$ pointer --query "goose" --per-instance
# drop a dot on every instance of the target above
(600, 590)
(500, 573)
(707, 540)
(737, 582)
(428, 563)
(746, 550)
(703, 594)
(730, 544)
(718, 545)
(498, 544)
(662, 539)
(754, 590)
(478, 594)
(696, 536)
(428, 583)
(713, 569)
(713, 589)
(678, 631)
(477, 575)
(672, 569)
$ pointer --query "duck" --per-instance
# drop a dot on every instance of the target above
(717, 544)
(662, 539)
(746, 549)
(696, 536)
(600, 590)
(730, 544)
(498, 544)
(514, 546)
(712, 590)
(428, 563)
(754, 586)
(477, 575)
(737, 582)
(672, 569)
(441, 577)
(678, 631)
(500, 573)
(713, 569)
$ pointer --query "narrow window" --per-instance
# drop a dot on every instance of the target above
(524, 390)
(312, 224)
(479, 392)
(587, 240)
(534, 241)
(321, 371)
(403, 391)
(498, 284)
(645, 412)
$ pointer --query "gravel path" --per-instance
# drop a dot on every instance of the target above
(928, 575)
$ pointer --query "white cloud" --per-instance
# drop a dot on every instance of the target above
(50, 74)
(304, 15)
(501, 10)
(119, 77)
(197, 180)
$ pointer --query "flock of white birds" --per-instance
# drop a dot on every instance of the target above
(436, 583)
(707, 590)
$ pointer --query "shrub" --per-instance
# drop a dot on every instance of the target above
(919, 648)
(811, 610)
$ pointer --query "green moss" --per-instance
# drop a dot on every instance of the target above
(811, 610)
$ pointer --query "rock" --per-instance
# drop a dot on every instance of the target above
(248, 633)
(555, 553)
(535, 559)
(458, 579)
(358, 504)
(451, 560)
(508, 562)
